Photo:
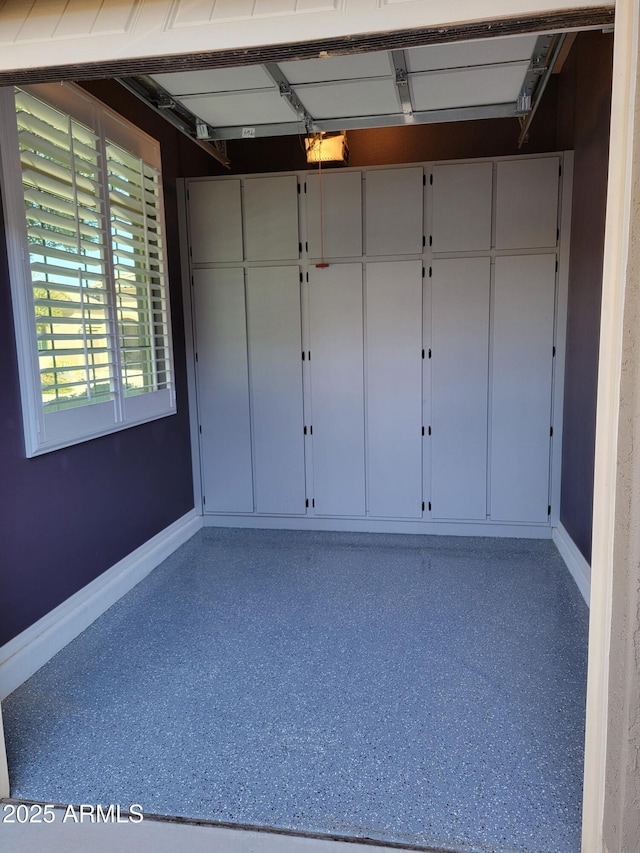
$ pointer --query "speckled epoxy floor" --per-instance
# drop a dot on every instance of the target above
(423, 690)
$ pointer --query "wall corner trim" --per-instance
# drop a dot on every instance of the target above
(578, 567)
(26, 653)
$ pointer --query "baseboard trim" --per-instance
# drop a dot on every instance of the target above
(376, 525)
(578, 567)
(26, 653)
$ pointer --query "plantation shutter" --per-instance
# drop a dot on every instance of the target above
(139, 273)
(67, 255)
(82, 189)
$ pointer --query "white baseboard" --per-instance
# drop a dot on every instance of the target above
(31, 649)
(576, 563)
(376, 525)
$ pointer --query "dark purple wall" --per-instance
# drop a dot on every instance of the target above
(67, 516)
(584, 111)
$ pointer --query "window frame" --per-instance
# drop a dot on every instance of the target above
(48, 431)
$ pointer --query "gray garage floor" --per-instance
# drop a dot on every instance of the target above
(418, 690)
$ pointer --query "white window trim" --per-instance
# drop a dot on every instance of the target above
(71, 426)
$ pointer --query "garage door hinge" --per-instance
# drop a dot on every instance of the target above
(429, 353)
(429, 430)
(298, 189)
(190, 251)
(204, 500)
(196, 356)
(200, 427)
(431, 178)
(313, 502)
(300, 278)
(549, 510)
(430, 271)
(422, 272)
(554, 352)
(306, 503)
(305, 186)
(557, 233)
(423, 353)
(306, 246)
(300, 248)
(424, 241)
(556, 265)
(551, 431)
(429, 505)
(307, 276)
(422, 506)
(423, 430)
(303, 355)
(430, 239)
(304, 430)
(560, 169)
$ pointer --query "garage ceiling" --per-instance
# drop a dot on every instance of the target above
(443, 82)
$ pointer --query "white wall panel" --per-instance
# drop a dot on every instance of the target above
(527, 203)
(223, 389)
(341, 215)
(459, 366)
(271, 218)
(521, 387)
(462, 207)
(393, 201)
(394, 388)
(215, 221)
(273, 306)
(337, 389)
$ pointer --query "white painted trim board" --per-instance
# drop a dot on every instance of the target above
(578, 567)
(26, 653)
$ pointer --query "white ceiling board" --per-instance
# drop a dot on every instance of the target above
(240, 108)
(215, 80)
(338, 68)
(469, 88)
(467, 53)
(350, 99)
